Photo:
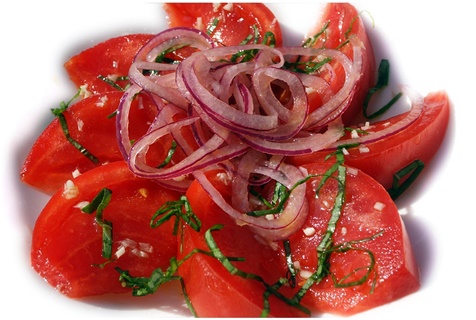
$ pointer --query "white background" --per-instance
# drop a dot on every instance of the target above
(429, 47)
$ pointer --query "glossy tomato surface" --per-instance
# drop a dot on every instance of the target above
(369, 222)
(214, 291)
(371, 225)
(228, 24)
(67, 243)
(339, 22)
(91, 122)
(110, 59)
(421, 140)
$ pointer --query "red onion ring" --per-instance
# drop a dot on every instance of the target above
(238, 119)
(281, 226)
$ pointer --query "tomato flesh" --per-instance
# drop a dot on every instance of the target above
(421, 140)
(213, 291)
(343, 22)
(368, 210)
(396, 270)
(67, 243)
(52, 159)
(235, 21)
(110, 58)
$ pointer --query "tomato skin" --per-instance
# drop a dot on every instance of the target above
(112, 57)
(421, 140)
(52, 158)
(344, 21)
(397, 271)
(213, 291)
(67, 243)
(236, 20)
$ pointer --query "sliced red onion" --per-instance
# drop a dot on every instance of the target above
(122, 119)
(277, 227)
(238, 121)
(164, 85)
(214, 151)
(339, 101)
(307, 142)
(173, 37)
(195, 69)
(417, 104)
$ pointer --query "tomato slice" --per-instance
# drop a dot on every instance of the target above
(368, 211)
(229, 24)
(421, 140)
(53, 159)
(213, 291)
(67, 243)
(110, 58)
(344, 21)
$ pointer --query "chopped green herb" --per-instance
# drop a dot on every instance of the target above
(162, 57)
(276, 205)
(113, 83)
(211, 28)
(307, 67)
(347, 246)
(181, 209)
(324, 247)
(270, 289)
(382, 82)
(98, 204)
(169, 155)
(269, 39)
(289, 261)
(142, 286)
(400, 184)
(59, 113)
(310, 42)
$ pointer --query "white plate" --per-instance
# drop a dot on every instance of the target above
(428, 49)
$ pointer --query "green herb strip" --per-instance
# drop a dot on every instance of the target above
(142, 286)
(323, 249)
(211, 28)
(98, 204)
(311, 42)
(59, 113)
(270, 289)
(113, 83)
(276, 204)
(181, 209)
(347, 246)
(382, 82)
(170, 154)
(291, 273)
(162, 57)
(411, 171)
(269, 39)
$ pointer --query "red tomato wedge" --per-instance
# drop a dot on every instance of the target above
(67, 243)
(229, 24)
(368, 212)
(421, 140)
(53, 158)
(213, 291)
(110, 58)
(343, 21)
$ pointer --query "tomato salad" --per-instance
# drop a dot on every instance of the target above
(252, 173)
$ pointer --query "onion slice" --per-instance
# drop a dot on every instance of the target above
(280, 226)
(247, 108)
